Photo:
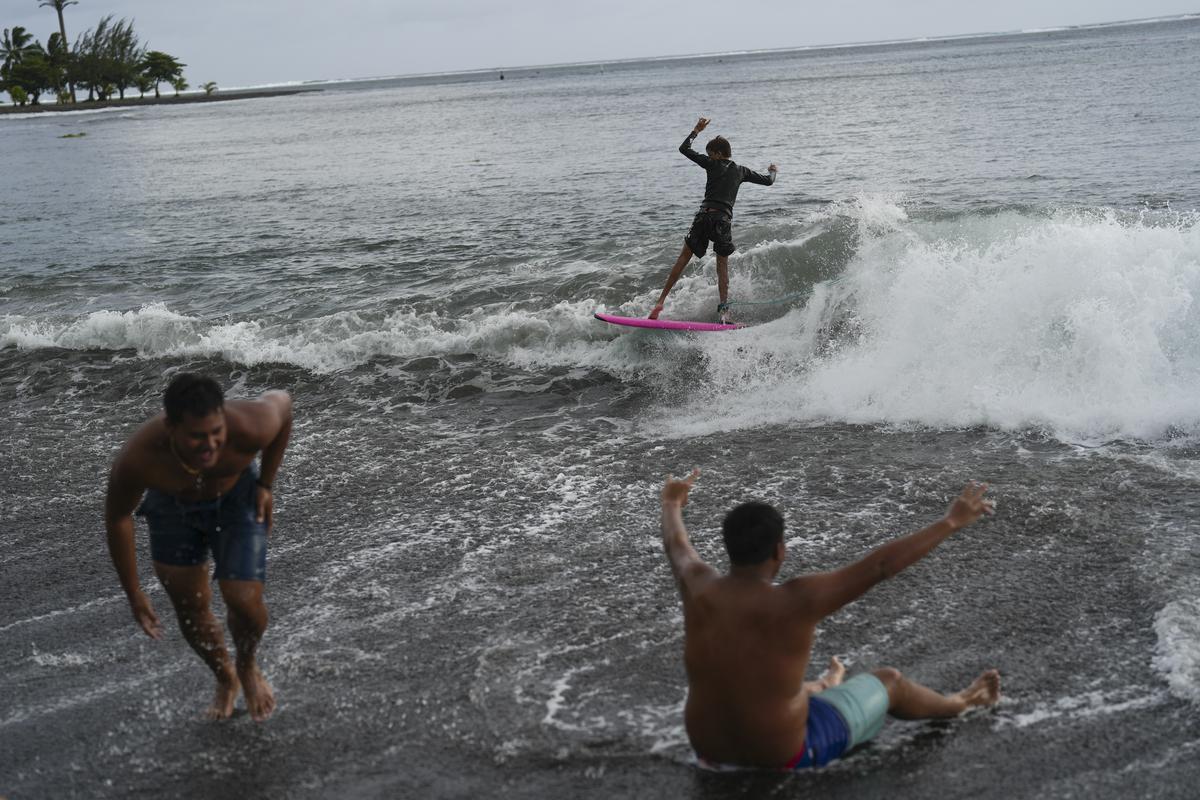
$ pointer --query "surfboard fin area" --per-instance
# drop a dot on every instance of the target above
(665, 324)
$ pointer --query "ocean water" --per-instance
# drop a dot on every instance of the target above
(988, 252)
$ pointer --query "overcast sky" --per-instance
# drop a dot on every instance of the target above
(255, 42)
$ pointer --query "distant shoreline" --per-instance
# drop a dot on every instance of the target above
(215, 97)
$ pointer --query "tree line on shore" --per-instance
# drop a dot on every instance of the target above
(106, 60)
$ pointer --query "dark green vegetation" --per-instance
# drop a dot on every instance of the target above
(106, 60)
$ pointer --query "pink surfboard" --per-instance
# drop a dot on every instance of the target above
(665, 324)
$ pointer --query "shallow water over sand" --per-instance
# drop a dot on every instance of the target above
(991, 249)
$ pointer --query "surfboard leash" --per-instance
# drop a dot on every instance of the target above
(787, 298)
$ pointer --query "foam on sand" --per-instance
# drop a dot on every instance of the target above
(1177, 653)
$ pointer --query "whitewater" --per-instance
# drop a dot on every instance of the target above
(981, 261)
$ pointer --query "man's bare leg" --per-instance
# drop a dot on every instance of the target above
(909, 700)
(247, 623)
(685, 255)
(189, 591)
(832, 676)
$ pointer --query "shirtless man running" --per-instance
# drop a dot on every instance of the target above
(748, 640)
(195, 465)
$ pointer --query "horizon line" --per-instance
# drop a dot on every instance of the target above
(715, 54)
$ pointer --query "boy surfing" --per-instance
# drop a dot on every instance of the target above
(713, 222)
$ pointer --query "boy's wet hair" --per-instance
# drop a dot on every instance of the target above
(751, 532)
(718, 146)
(189, 393)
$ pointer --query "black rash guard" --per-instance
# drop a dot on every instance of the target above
(724, 177)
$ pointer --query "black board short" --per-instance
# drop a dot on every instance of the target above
(711, 225)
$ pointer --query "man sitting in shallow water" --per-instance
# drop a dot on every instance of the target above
(748, 640)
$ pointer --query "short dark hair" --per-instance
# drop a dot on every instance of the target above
(718, 145)
(189, 393)
(752, 531)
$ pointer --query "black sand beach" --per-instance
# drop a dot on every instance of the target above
(988, 253)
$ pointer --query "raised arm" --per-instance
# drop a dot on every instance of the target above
(124, 491)
(686, 147)
(825, 593)
(686, 563)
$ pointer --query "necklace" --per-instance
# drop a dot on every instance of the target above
(196, 473)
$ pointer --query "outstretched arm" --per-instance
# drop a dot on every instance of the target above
(124, 491)
(827, 592)
(686, 563)
(751, 176)
(686, 147)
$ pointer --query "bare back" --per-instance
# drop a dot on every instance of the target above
(746, 649)
(747, 641)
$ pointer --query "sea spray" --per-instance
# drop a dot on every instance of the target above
(1080, 322)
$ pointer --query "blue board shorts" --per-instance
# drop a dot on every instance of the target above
(840, 719)
(183, 534)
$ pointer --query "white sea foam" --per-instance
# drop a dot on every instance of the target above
(83, 112)
(557, 699)
(1082, 323)
(563, 334)
(19, 714)
(64, 611)
(60, 660)
(1084, 706)
(1177, 653)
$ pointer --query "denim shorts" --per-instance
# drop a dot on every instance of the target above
(183, 534)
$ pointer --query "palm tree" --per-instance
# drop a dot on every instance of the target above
(58, 67)
(14, 46)
(59, 5)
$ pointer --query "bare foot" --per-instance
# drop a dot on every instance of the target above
(832, 676)
(223, 700)
(834, 673)
(656, 311)
(260, 699)
(984, 691)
